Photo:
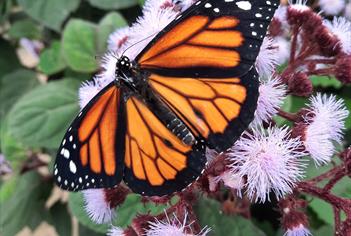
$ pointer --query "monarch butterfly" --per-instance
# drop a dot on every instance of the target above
(194, 86)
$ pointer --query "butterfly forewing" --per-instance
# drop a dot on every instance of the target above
(213, 38)
(91, 153)
(157, 162)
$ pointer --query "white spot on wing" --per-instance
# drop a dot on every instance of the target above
(66, 153)
(72, 167)
(244, 5)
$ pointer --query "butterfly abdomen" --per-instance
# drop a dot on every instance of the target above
(169, 119)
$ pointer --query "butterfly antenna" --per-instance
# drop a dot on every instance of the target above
(137, 43)
(109, 52)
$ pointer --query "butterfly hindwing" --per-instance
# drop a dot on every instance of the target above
(91, 153)
(156, 161)
(218, 110)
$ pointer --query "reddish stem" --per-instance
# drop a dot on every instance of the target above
(339, 202)
(288, 116)
(327, 175)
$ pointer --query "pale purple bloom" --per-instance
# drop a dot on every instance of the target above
(151, 5)
(118, 40)
(332, 7)
(348, 11)
(281, 14)
(270, 160)
(326, 124)
(172, 228)
(5, 167)
(229, 180)
(284, 47)
(87, 91)
(300, 230)
(341, 28)
(115, 231)
(184, 4)
(97, 207)
(271, 97)
(299, 5)
(267, 59)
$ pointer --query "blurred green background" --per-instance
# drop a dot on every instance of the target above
(47, 48)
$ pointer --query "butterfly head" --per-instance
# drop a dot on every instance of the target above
(123, 66)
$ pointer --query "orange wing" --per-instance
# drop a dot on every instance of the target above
(197, 42)
(156, 161)
(217, 110)
(88, 154)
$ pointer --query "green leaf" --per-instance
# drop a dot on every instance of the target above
(50, 13)
(61, 219)
(125, 213)
(27, 205)
(40, 117)
(8, 188)
(25, 28)
(323, 210)
(286, 107)
(113, 4)
(79, 45)
(209, 213)
(51, 59)
(5, 9)
(13, 86)
(107, 25)
(325, 82)
(84, 231)
(14, 151)
(348, 106)
(324, 230)
(10, 62)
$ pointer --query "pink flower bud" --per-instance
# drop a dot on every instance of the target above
(300, 85)
(343, 69)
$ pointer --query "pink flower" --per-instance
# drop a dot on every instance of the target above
(172, 228)
(97, 206)
(332, 7)
(267, 59)
(299, 230)
(326, 123)
(341, 28)
(115, 231)
(228, 179)
(299, 5)
(118, 40)
(271, 98)
(269, 160)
